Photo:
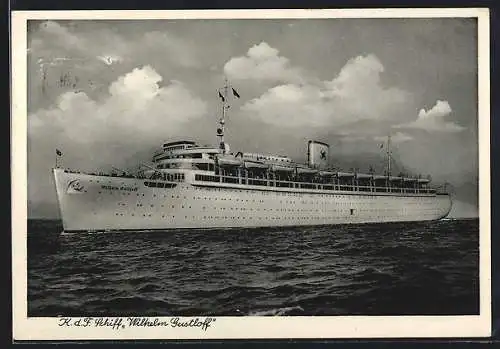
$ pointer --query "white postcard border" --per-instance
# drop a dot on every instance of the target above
(25, 328)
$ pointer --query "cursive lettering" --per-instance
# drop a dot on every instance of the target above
(110, 187)
(204, 324)
(146, 322)
(116, 323)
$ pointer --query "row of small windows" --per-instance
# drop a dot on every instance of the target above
(180, 177)
(270, 192)
(293, 210)
(167, 147)
(181, 156)
(336, 203)
(172, 177)
(249, 156)
(324, 209)
(377, 217)
(301, 185)
(202, 166)
(412, 202)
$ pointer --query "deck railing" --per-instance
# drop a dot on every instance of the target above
(287, 184)
(311, 185)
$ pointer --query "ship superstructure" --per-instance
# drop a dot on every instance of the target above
(189, 185)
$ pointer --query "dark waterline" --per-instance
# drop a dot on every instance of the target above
(373, 269)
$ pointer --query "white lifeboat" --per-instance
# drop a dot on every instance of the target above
(363, 175)
(281, 168)
(306, 170)
(228, 160)
(255, 165)
(345, 174)
(326, 173)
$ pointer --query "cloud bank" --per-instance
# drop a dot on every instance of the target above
(434, 119)
(262, 62)
(355, 94)
(136, 111)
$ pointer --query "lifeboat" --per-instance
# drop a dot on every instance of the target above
(345, 174)
(228, 161)
(326, 173)
(395, 178)
(363, 176)
(306, 170)
(255, 165)
(282, 168)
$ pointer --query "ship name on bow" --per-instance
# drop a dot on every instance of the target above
(110, 187)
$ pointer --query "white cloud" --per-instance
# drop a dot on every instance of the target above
(356, 94)
(434, 119)
(440, 109)
(137, 111)
(262, 62)
(290, 105)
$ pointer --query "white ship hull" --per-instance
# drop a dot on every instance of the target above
(105, 203)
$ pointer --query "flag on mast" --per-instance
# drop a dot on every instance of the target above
(236, 94)
(58, 155)
(222, 97)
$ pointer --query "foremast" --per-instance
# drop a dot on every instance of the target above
(389, 155)
(224, 95)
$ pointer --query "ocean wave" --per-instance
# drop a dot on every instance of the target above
(371, 269)
(277, 311)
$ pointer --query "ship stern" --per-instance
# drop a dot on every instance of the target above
(445, 205)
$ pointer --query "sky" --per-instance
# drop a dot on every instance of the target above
(108, 93)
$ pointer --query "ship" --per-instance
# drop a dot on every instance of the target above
(188, 185)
